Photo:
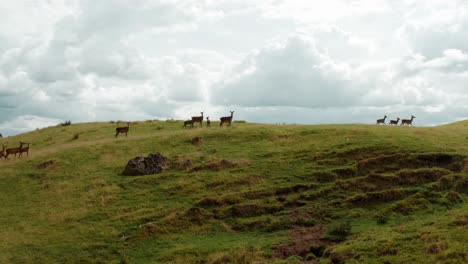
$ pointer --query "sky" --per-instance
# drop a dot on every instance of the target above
(271, 61)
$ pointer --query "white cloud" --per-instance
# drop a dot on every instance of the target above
(124, 59)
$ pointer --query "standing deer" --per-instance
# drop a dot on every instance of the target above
(381, 121)
(24, 149)
(394, 122)
(122, 130)
(15, 151)
(226, 119)
(208, 122)
(2, 153)
(198, 119)
(188, 122)
(407, 121)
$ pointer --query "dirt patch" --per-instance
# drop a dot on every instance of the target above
(185, 164)
(218, 165)
(396, 162)
(461, 220)
(250, 210)
(383, 196)
(303, 241)
(46, 164)
(197, 141)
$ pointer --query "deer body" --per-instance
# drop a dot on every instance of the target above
(394, 122)
(122, 130)
(208, 122)
(226, 119)
(188, 122)
(2, 153)
(381, 121)
(407, 121)
(198, 119)
(24, 149)
(14, 151)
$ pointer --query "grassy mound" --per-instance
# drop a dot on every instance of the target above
(240, 194)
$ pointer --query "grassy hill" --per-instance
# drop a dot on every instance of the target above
(254, 193)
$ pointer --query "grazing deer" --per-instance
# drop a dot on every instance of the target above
(122, 130)
(188, 122)
(15, 151)
(198, 119)
(208, 122)
(24, 149)
(381, 121)
(394, 122)
(407, 121)
(226, 119)
(2, 153)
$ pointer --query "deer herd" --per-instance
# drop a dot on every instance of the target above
(406, 122)
(199, 119)
(24, 147)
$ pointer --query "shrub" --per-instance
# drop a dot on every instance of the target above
(66, 123)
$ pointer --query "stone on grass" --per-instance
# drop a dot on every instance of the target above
(152, 164)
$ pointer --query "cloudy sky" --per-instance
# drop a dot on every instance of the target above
(294, 61)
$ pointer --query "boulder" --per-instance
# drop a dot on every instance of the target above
(152, 164)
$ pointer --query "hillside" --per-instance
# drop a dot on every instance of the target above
(265, 193)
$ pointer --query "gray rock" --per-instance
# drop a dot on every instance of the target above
(152, 164)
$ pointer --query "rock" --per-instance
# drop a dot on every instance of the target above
(152, 164)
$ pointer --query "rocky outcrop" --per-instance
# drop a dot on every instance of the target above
(152, 164)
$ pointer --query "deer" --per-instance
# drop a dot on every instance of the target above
(381, 121)
(394, 122)
(198, 119)
(122, 130)
(2, 153)
(226, 119)
(24, 149)
(208, 122)
(407, 121)
(15, 151)
(188, 122)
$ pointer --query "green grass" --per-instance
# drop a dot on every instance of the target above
(403, 191)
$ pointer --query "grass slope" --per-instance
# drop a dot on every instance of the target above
(272, 194)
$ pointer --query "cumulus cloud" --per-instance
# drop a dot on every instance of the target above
(271, 61)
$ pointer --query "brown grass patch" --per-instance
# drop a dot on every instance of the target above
(217, 165)
(383, 196)
(303, 240)
(46, 164)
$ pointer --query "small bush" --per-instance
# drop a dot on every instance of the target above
(66, 123)
(338, 231)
